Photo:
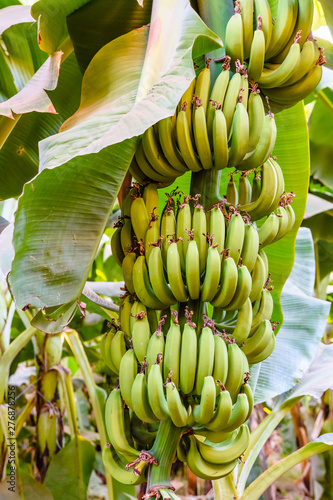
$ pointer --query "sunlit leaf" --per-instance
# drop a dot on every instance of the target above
(14, 14)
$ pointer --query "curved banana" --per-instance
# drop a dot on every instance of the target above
(256, 113)
(175, 274)
(184, 224)
(262, 8)
(116, 247)
(256, 187)
(150, 197)
(268, 231)
(239, 135)
(193, 270)
(155, 348)
(234, 43)
(257, 54)
(127, 269)
(157, 278)
(140, 401)
(228, 450)
(142, 286)
(106, 351)
(222, 412)
(283, 26)
(235, 371)
(168, 229)
(235, 236)
(188, 358)
(152, 235)
(217, 99)
(140, 336)
(231, 99)
(220, 370)
(168, 145)
(205, 362)
(244, 190)
(147, 169)
(201, 136)
(276, 77)
(202, 87)
(199, 224)
(263, 148)
(212, 277)
(297, 91)
(204, 469)
(246, 389)
(217, 227)
(116, 468)
(177, 410)
(232, 193)
(156, 395)
(258, 341)
(155, 156)
(250, 247)
(265, 353)
(220, 140)
(265, 310)
(172, 349)
(244, 322)
(239, 413)
(139, 218)
(185, 142)
(244, 285)
(124, 315)
(118, 348)
(258, 278)
(247, 17)
(309, 56)
(115, 425)
(228, 283)
(203, 412)
(126, 236)
(127, 372)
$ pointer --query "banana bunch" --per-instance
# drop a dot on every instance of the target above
(213, 461)
(280, 54)
(225, 126)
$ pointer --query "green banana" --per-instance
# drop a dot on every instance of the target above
(157, 278)
(116, 468)
(283, 27)
(168, 228)
(156, 394)
(124, 315)
(185, 142)
(228, 283)
(175, 273)
(265, 310)
(244, 322)
(234, 43)
(232, 193)
(169, 146)
(155, 156)
(212, 277)
(126, 236)
(247, 17)
(217, 227)
(127, 372)
(204, 469)
(244, 285)
(217, 98)
(184, 223)
(276, 77)
(172, 349)
(268, 231)
(265, 353)
(177, 410)
(256, 187)
(147, 169)
(192, 269)
(257, 54)
(188, 357)
(239, 135)
(228, 450)
(115, 425)
(142, 286)
(251, 247)
(139, 218)
(201, 136)
(150, 197)
(205, 361)
(258, 341)
(262, 8)
(235, 371)
(220, 139)
(235, 236)
(222, 413)
(155, 347)
(127, 269)
(220, 370)
(199, 224)
(202, 87)
(140, 401)
(258, 278)
(239, 413)
(244, 190)
(116, 247)
(203, 412)
(118, 348)
(231, 99)
(256, 113)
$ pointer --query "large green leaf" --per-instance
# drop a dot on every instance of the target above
(68, 474)
(63, 212)
(304, 324)
(327, 7)
(20, 148)
(96, 24)
(292, 151)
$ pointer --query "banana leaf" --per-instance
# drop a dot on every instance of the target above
(63, 211)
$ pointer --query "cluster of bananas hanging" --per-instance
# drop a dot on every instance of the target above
(197, 309)
(281, 55)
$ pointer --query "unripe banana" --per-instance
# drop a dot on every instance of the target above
(171, 362)
(239, 135)
(115, 466)
(155, 347)
(228, 283)
(156, 395)
(268, 231)
(212, 277)
(231, 99)
(201, 135)
(256, 112)
(175, 273)
(124, 315)
(168, 145)
(217, 227)
(257, 54)
(185, 141)
(244, 190)
(262, 8)
(220, 140)
(127, 269)
(140, 336)
(228, 450)
(247, 17)
(199, 230)
(202, 86)
(265, 310)
(140, 401)
(205, 362)
(118, 348)
(239, 413)
(251, 247)
(184, 224)
(265, 353)
(217, 97)
(177, 410)
(116, 247)
(220, 370)
(142, 286)
(258, 278)
(192, 269)
(203, 413)
(127, 372)
(258, 341)
(283, 26)
(235, 376)
(244, 322)
(150, 197)
(188, 358)
(222, 413)
(244, 285)
(235, 236)
(168, 228)
(139, 218)
(232, 193)
(157, 278)
(234, 43)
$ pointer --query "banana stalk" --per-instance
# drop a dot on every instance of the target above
(206, 183)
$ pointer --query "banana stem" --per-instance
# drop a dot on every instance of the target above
(207, 184)
(164, 450)
(224, 488)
